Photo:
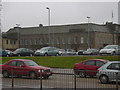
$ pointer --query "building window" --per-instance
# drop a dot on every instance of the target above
(69, 40)
(75, 40)
(6, 41)
(82, 40)
(10, 41)
(14, 42)
(63, 41)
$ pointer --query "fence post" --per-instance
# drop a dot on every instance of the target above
(12, 78)
(40, 79)
(74, 80)
(116, 80)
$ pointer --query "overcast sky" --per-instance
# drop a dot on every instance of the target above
(30, 14)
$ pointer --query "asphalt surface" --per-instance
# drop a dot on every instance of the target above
(57, 81)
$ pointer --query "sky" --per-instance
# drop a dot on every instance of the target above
(30, 14)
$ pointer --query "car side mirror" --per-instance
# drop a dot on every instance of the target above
(23, 66)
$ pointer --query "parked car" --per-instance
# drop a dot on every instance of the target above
(62, 52)
(70, 52)
(23, 67)
(23, 52)
(9, 52)
(80, 52)
(88, 67)
(108, 72)
(91, 52)
(47, 51)
(110, 49)
(3, 53)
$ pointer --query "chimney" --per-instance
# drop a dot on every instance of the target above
(40, 25)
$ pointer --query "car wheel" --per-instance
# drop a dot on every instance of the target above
(103, 79)
(45, 77)
(82, 74)
(19, 55)
(31, 55)
(32, 75)
(57, 54)
(19, 76)
(5, 74)
(45, 54)
(113, 53)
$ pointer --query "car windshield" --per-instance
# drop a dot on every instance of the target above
(17, 50)
(111, 47)
(30, 63)
(44, 49)
(90, 50)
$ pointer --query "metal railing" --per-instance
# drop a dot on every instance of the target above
(65, 79)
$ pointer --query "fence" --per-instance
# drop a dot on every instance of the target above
(64, 79)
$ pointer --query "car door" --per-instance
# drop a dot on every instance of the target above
(11, 67)
(90, 67)
(112, 69)
(24, 52)
(51, 51)
(21, 70)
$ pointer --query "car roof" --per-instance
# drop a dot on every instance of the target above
(97, 59)
(21, 60)
(114, 61)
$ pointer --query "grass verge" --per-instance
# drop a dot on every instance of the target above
(62, 61)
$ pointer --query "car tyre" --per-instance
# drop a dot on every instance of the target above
(45, 54)
(5, 74)
(113, 53)
(82, 74)
(46, 77)
(103, 79)
(57, 54)
(19, 55)
(32, 75)
(31, 55)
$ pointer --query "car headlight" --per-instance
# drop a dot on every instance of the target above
(41, 70)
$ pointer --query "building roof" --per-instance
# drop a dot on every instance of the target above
(60, 29)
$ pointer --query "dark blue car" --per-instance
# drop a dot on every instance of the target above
(3, 53)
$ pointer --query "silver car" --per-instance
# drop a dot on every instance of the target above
(111, 50)
(109, 72)
(47, 51)
(91, 52)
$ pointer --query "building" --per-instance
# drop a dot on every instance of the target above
(75, 36)
(9, 42)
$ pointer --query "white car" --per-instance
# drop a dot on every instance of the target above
(109, 72)
(110, 49)
(70, 52)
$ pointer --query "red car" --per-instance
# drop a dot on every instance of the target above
(88, 67)
(22, 67)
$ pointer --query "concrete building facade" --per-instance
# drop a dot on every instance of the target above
(76, 36)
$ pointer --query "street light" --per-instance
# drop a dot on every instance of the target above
(48, 22)
(88, 32)
(18, 34)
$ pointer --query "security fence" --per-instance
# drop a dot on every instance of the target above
(65, 79)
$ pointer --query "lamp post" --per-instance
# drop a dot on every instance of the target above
(88, 33)
(48, 23)
(18, 34)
